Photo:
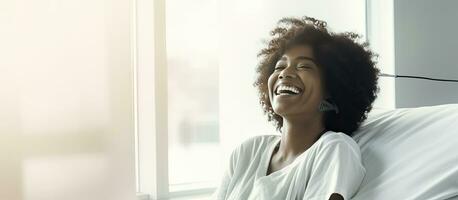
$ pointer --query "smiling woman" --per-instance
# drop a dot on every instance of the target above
(317, 86)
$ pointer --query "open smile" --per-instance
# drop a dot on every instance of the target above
(287, 89)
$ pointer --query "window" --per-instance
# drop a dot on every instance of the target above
(195, 96)
(192, 62)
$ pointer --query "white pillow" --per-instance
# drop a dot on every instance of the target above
(410, 153)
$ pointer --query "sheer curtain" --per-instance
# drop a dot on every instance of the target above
(66, 117)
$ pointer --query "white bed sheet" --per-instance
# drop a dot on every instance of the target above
(410, 153)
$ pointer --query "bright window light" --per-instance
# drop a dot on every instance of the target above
(192, 94)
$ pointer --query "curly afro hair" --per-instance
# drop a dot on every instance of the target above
(349, 73)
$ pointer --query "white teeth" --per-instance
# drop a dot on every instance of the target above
(289, 88)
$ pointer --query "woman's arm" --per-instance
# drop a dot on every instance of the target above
(222, 191)
(337, 171)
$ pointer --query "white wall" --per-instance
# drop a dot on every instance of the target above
(243, 25)
(66, 121)
(426, 45)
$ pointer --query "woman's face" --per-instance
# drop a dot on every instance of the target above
(295, 87)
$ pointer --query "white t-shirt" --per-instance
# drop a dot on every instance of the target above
(331, 165)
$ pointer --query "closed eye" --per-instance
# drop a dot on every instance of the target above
(279, 67)
(306, 66)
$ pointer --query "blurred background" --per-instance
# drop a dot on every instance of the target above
(146, 99)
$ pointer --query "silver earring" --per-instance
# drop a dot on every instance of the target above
(328, 106)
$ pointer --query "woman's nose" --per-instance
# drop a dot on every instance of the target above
(287, 72)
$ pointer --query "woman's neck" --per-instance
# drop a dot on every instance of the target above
(298, 136)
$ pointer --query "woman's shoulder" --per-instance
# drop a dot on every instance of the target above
(258, 141)
(331, 139)
(331, 136)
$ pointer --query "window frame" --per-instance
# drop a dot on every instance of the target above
(151, 70)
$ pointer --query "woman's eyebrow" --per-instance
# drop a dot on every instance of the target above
(299, 57)
(305, 58)
(283, 58)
